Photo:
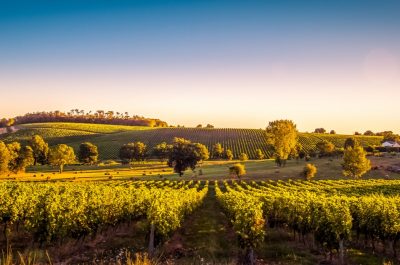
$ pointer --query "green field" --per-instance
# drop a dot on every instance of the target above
(109, 138)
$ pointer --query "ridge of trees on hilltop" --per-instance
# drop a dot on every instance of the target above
(80, 116)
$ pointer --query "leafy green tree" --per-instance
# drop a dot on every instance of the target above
(282, 135)
(309, 171)
(355, 162)
(184, 154)
(369, 133)
(61, 155)
(228, 154)
(88, 153)
(40, 150)
(325, 148)
(5, 157)
(126, 153)
(140, 151)
(243, 157)
(13, 148)
(351, 142)
(319, 130)
(25, 159)
(161, 151)
(237, 169)
(389, 136)
(132, 151)
(332, 132)
(217, 151)
(259, 154)
(201, 152)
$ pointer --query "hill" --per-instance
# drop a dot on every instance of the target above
(109, 138)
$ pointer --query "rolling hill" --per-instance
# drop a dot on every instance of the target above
(109, 138)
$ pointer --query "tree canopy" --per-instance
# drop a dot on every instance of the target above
(282, 135)
(161, 151)
(61, 155)
(217, 151)
(40, 150)
(88, 153)
(355, 163)
(238, 170)
(133, 151)
(184, 154)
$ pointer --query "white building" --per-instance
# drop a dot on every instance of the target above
(390, 144)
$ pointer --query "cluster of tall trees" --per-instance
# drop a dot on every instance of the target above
(80, 116)
(282, 135)
(16, 158)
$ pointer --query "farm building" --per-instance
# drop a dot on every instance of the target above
(390, 144)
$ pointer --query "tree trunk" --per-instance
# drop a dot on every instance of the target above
(61, 168)
(249, 258)
(151, 240)
(341, 251)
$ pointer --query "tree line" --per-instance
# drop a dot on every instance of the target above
(80, 116)
(182, 154)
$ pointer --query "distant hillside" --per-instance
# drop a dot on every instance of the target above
(109, 138)
(80, 116)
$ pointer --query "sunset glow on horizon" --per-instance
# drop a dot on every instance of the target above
(330, 64)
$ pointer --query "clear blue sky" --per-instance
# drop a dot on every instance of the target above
(332, 64)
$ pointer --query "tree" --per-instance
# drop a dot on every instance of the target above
(140, 151)
(199, 126)
(217, 151)
(355, 162)
(238, 170)
(132, 151)
(61, 155)
(4, 157)
(209, 126)
(243, 157)
(369, 133)
(161, 151)
(389, 136)
(13, 148)
(309, 171)
(332, 132)
(88, 153)
(282, 135)
(126, 153)
(40, 150)
(357, 133)
(325, 148)
(259, 154)
(319, 130)
(351, 142)
(25, 159)
(184, 154)
(228, 154)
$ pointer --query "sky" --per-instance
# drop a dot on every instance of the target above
(331, 64)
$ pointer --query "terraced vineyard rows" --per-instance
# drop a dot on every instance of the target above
(110, 138)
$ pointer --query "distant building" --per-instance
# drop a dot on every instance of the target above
(390, 144)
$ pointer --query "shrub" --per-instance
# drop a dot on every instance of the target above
(309, 171)
(243, 157)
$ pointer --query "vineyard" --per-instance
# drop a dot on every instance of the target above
(330, 214)
(51, 212)
(329, 217)
(109, 138)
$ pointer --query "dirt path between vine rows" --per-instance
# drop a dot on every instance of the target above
(205, 237)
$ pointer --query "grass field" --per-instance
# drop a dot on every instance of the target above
(210, 170)
(109, 138)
